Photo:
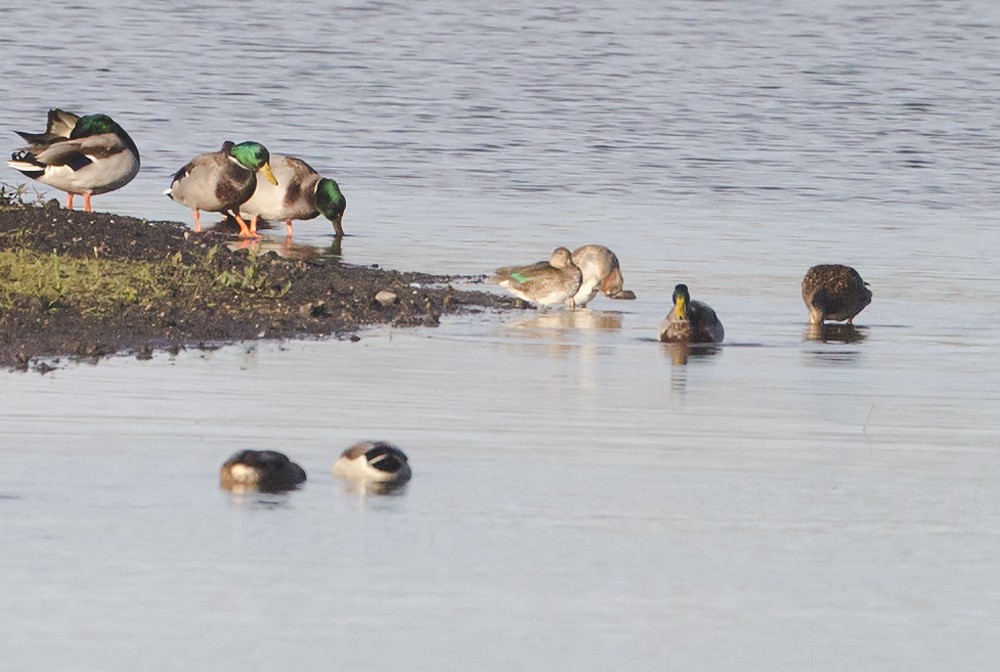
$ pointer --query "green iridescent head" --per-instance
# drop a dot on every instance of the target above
(331, 202)
(254, 156)
(94, 124)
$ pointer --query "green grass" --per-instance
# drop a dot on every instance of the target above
(102, 286)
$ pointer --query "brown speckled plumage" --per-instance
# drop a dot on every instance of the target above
(834, 292)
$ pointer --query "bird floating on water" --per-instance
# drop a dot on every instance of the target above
(834, 292)
(79, 155)
(546, 283)
(263, 470)
(301, 193)
(600, 272)
(373, 462)
(690, 321)
(222, 181)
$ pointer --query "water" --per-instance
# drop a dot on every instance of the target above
(581, 498)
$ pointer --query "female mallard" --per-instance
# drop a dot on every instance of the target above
(601, 273)
(690, 321)
(834, 292)
(546, 283)
(79, 155)
(263, 470)
(222, 181)
(373, 461)
(300, 194)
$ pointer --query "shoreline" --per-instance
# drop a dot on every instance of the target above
(85, 286)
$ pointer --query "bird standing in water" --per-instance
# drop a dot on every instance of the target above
(222, 181)
(834, 292)
(546, 283)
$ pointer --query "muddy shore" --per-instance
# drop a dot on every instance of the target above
(170, 289)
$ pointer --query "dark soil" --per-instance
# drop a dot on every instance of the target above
(292, 298)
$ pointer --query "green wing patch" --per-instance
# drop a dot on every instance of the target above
(520, 277)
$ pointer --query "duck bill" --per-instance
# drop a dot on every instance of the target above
(612, 283)
(265, 170)
(680, 308)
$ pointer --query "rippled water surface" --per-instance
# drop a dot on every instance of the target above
(583, 497)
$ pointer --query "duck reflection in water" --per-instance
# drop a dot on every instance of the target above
(835, 333)
(679, 353)
(290, 250)
(548, 323)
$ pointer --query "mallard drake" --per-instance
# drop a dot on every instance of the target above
(301, 193)
(79, 155)
(834, 292)
(373, 461)
(601, 273)
(690, 321)
(263, 470)
(545, 283)
(222, 181)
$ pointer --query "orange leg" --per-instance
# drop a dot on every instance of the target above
(253, 224)
(288, 227)
(245, 231)
(69, 200)
(197, 222)
(86, 202)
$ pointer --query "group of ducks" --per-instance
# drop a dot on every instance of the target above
(94, 155)
(378, 466)
(830, 291)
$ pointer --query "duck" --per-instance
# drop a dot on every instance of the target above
(301, 193)
(84, 156)
(263, 470)
(373, 462)
(690, 321)
(834, 292)
(222, 181)
(546, 283)
(601, 273)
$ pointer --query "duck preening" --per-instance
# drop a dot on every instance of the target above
(373, 461)
(263, 470)
(600, 272)
(79, 155)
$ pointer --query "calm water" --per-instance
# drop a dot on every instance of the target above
(582, 499)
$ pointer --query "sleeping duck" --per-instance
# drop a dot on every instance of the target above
(300, 194)
(601, 273)
(690, 321)
(263, 470)
(834, 292)
(373, 461)
(79, 155)
(546, 283)
(222, 181)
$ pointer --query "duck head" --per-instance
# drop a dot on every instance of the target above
(681, 300)
(331, 202)
(253, 156)
(561, 258)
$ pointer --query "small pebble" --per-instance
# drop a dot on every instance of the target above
(386, 298)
